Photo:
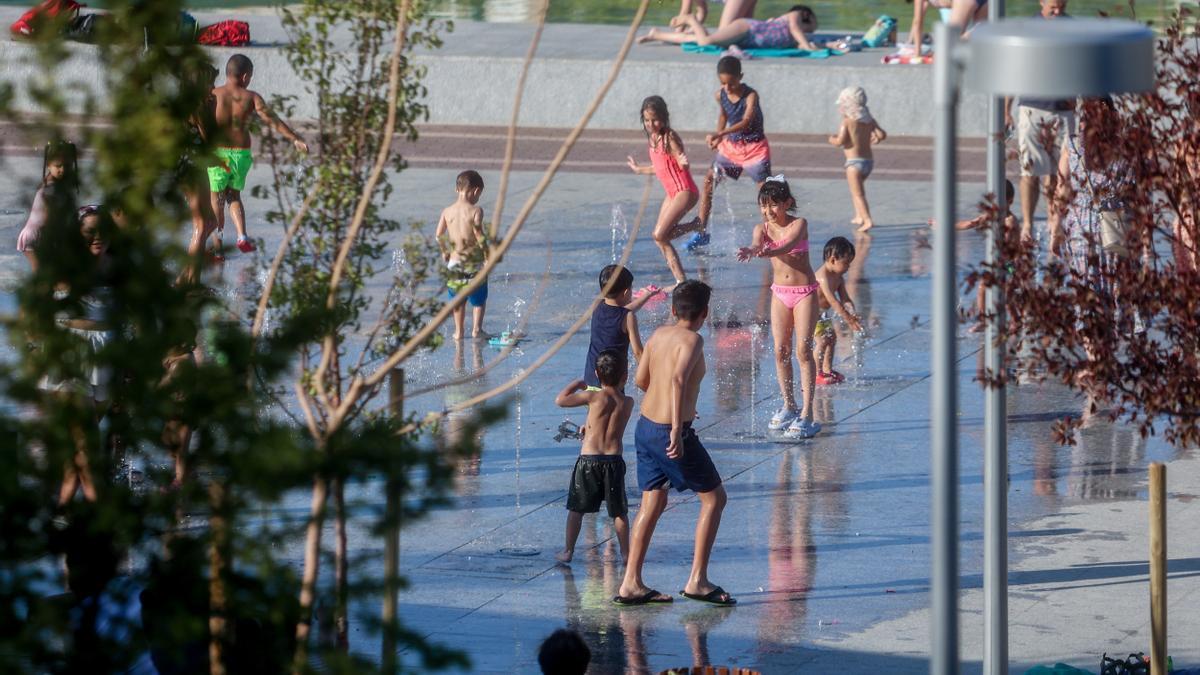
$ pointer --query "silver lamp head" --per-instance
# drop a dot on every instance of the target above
(1060, 58)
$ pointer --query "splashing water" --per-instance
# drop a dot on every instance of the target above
(858, 343)
(517, 442)
(755, 332)
(518, 310)
(399, 261)
(519, 548)
(261, 279)
(620, 231)
(726, 234)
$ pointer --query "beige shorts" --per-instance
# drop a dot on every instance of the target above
(1035, 159)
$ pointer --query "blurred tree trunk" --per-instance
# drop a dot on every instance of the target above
(218, 564)
(308, 583)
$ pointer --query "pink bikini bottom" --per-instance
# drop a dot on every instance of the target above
(791, 296)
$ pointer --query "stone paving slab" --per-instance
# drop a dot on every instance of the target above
(825, 542)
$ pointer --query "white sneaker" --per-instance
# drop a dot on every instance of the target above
(782, 418)
(801, 428)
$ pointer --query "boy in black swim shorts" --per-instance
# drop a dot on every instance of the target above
(599, 474)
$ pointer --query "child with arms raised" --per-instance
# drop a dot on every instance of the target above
(669, 162)
(855, 136)
(783, 239)
(599, 474)
(838, 255)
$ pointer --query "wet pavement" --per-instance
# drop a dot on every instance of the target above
(825, 542)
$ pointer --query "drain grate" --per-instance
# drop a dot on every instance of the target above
(520, 551)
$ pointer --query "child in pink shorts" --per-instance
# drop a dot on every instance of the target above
(740, 143)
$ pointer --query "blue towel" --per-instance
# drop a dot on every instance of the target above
(1057, 669)
(693, 48)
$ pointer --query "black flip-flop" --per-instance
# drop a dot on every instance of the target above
(712, 597)
(650, 597)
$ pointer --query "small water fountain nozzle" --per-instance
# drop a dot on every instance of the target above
(568, 429)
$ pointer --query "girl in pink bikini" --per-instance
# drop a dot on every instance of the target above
(669, 162)
(784, 240)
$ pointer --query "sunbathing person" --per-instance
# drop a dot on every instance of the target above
(731, 11)
(782, 32)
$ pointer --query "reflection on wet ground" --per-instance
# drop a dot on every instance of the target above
(821, 539)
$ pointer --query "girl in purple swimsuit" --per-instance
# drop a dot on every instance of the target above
(783, 239)
(782, 32)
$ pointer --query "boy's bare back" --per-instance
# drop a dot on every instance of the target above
(671, 351)
(608, 414)
(234, 105)
(832, 281)
(462, 225)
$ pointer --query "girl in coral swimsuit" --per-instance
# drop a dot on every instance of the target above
(783, 239)
(670, 164)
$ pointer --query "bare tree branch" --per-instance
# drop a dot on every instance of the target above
(269, 284)
(511, 142)
(433, 417)
(570, 333)
(508, 349)
(360, 212)
(423, 335)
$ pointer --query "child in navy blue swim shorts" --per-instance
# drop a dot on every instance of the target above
(668, 452)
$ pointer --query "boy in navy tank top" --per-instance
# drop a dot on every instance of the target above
(739, 141)
(614, 324)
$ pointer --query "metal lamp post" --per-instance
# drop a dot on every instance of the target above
(1024, 57)
(995, 411)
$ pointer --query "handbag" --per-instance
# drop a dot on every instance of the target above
(1113, 230)
(882, 34)
(1134, 664)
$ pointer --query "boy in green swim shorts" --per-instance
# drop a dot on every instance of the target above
(234, 104)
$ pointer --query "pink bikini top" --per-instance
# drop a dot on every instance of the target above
(800, 247)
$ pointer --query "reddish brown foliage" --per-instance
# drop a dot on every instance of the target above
(1125, 327)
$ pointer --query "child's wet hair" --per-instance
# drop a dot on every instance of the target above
(777, 191)
(729, 65)
(623, 283)
(690, 299)
(468, 180)
(238, 65)
(806, 13)
(611, 367)
(659, 106)
(564, 652)
(63, 151)
(838, 248)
